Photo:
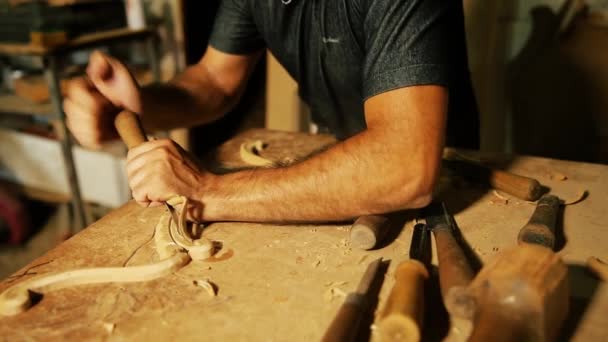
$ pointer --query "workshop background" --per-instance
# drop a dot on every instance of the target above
(539, 67)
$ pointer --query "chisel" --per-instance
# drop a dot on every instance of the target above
(401, 319)
(345, 325)
(455, 272)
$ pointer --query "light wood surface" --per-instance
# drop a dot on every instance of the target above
(276, 282)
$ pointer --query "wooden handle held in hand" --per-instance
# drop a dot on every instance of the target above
(404, 309)
(130, 129)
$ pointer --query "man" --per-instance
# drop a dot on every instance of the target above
(386, 77)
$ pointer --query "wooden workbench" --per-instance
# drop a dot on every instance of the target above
(276, 281)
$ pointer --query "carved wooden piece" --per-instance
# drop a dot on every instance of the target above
(18, 298)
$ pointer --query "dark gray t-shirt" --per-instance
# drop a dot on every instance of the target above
(342, 52)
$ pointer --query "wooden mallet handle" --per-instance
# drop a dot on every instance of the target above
(540, 229)
(401, 319)
(368, 231)
(130, 129)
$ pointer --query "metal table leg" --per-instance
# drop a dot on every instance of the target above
(153, 58)
(79, 218)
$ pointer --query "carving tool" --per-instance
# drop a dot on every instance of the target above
(526, 188)
(401, 319)
(368, 231)
(455, 273)
(345, 325)
(540, 229)
(132, 133)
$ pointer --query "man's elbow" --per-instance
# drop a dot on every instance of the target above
(412, 192)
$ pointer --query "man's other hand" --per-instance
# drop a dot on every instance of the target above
(92, 103)
(160, 169)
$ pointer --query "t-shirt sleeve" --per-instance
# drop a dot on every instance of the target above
(234, 30)
(405, 45)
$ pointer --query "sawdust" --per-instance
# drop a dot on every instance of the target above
(109, 327)
(557, 176)
(208, 286)
(332, 293)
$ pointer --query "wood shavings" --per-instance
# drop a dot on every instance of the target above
(250, 154)
(581, 195)
(332, 293)
(316, 263)
(556, 176)
(207, 286)
(109, 327)
(499, 199)
(363, 258)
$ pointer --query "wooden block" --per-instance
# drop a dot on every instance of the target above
(48, 38)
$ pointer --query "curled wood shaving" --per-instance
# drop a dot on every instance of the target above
(500, 199)
(207, 286)
(581, 195)
(250, 154)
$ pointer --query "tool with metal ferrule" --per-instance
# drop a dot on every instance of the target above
(540, 229)
(401, 319)
(455, 273)
(345, 325)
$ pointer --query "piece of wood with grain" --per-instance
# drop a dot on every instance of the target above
(285, 269)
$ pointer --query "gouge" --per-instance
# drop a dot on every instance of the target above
(368, 231)
(455, 273)
(345, 325)
(401, 319)
(526, 188)
(131, 131)
(540, 229)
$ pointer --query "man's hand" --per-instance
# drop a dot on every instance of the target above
(160, 169)
(91, 104)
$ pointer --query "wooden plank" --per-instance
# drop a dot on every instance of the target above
(278, 272)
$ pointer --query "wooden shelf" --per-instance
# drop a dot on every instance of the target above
(36, 194)
(10, 103)
(79, 42)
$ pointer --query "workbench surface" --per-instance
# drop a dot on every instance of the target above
(284, 282)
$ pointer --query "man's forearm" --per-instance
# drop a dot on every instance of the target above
(365, 174)
(190, 99)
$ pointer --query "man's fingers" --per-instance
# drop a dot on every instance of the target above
(81, 92)
(99, 67)
(148, 146)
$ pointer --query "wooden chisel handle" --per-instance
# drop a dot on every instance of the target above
(522, 187)
(540, 229)
(455, 272)
(130, 129)
(368, 231)
(345, 325)
(401, 319)
(519, 186)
